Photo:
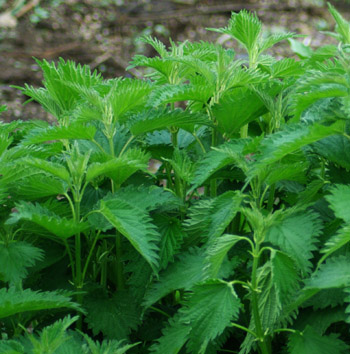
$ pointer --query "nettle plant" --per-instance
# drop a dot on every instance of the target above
(202, 209)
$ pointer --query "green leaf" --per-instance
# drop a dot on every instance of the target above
(135, 225)
(335, 273)
(343, 26)
(245, 27)
(300, 49)
(209, 309)
(15, 258)
(210, 218)
(3, 108)
(187, 270)
(38, 186)
(286, 67)
(53, 338)
(217, 251)
(40, 215)
(182, 165)
(309, 341)
(113, 317)
(13, 301)
(284, 275)
(157, 120)
(339, 201)
(147, 198)
(275, 38)
(127, 95)
(175, 335)
(336, 242)
(54, 169)
(182, 92)
(172, 236)
(119, 168)
(224, 155)
(11, 347)
(108, 346)
(73, 131)
(320, 319)
(292, 139)
(236, 110)
(334, 148)
(296, 234)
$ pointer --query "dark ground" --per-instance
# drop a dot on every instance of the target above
(103, 34)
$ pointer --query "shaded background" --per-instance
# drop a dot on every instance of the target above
(103, 33)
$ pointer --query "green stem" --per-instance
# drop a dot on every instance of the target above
(271, 197)
(255, 303)
(120, 270)
(160, 311)
(199, 142)
(78, 269)
(104, 265)
(213, 182)
(71, 260)
(126, 145)
(244, 329)
(90, 254)
(244, 131)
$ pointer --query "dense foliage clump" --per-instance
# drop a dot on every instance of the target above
(202, 209)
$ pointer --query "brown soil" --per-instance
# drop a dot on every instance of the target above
(104, 36)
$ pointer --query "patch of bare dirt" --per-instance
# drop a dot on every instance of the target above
(103, 35)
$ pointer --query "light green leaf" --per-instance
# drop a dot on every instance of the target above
(209, 309)
(343, 26)
(135, 225)
(172, 236)
(175, 335)
(52, 168)
(275, 38)
(187, 270)
(309, 341)
(217, 251)
(53, 338)
(300, 49)
(336, 242)
(339, 201)
(73, 131)
(182, 165)
(234, 111)
(296, 234)
(334, 148)
(161, 119)
(38, 186)
(284, 275)
(108, 346)
(147, 198)
(292, 139)
(127, 95)
(335, 273)
(245, 27)
(40, 215)
(119, 168)
(13, 301)
(15, 258)
(286, 67)
(224, 155)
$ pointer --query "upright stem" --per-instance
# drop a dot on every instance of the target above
(78, 269)
(271, 197)
(255, 302)
(213, 182)
(118, 236)
(120, 270)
